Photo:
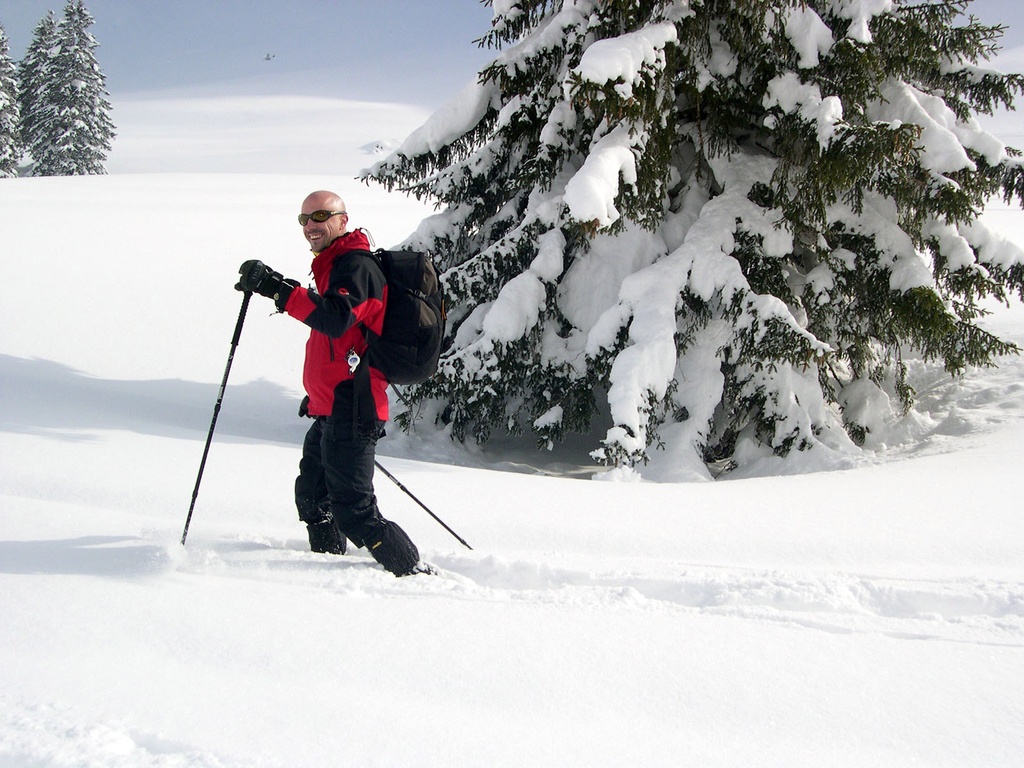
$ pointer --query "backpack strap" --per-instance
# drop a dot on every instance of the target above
(372, 256)
(364, 409)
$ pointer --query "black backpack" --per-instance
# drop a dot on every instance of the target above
(409, 345)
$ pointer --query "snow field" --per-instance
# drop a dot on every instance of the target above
(872, 616)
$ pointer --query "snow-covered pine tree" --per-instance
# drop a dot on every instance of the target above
(73, 131)
(34, 77)
(10, 119)
(719, 226)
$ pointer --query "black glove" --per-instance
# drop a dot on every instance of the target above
(304, 407)
(258, 277)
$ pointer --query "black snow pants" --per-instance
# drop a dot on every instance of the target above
(337, 466)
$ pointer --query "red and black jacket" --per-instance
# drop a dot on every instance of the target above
(350, 295)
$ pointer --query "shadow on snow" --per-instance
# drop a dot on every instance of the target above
(44, 397)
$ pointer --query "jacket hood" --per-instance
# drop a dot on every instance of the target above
(355, 240)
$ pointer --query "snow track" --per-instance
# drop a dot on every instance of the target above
(969, 610)
(528, 598)
(45, 736)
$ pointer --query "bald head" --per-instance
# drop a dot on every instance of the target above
(320, 234)
(322, 200)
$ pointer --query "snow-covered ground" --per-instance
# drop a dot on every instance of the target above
(867, 617)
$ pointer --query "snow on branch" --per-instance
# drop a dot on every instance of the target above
(517, 309)
(590, 194)
(702, 266)
(793, 96)
(624, 59)
(943, 137)
(879, 220)
(860, 13)
(450, 123)
(808, 34)
(552, 33)
(993, 248)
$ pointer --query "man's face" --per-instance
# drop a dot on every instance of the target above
(320, 234)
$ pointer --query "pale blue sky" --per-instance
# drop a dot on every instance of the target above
(411, 51)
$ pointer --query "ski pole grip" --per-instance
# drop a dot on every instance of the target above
(241, 317)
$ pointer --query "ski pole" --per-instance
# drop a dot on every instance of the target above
(409, 493)
(216, 409)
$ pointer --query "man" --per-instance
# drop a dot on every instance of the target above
(345, 397)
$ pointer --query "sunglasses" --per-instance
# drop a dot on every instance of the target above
(318, 216)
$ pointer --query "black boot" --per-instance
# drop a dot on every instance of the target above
(324, 536)
(392, 548)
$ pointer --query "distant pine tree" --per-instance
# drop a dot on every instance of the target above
(34, 76)
(719, 226)
(10, 115)
(72, 132)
